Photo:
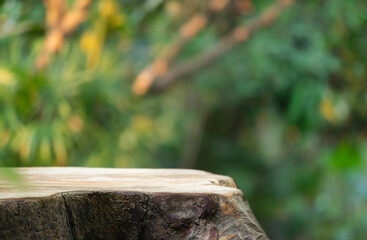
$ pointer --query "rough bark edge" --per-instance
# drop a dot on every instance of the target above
(213, 216)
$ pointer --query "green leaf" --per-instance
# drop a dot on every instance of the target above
(346, 156)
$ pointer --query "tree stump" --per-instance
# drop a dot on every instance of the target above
(96, 203)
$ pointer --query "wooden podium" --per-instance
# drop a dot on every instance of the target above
(105, 203)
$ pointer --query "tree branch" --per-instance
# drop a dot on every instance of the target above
(60, 21)
(186, 33)
(157, 78)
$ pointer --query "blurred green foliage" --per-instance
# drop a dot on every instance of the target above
(284, 114)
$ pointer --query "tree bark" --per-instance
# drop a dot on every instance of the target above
(95, 203)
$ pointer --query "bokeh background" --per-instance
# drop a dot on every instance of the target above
(283, 113)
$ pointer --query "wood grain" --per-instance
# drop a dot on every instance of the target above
(97, 203)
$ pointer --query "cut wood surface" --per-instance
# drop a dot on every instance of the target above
(104, 203)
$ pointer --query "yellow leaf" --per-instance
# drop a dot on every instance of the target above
(91, 45)
(327, 110)
(107, 8)
(89, 41)
(6, 77)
